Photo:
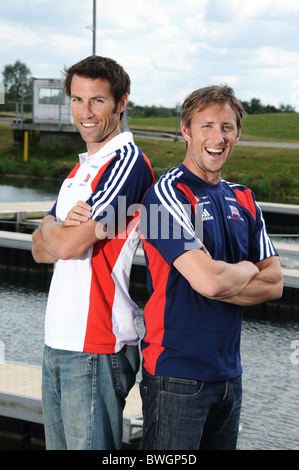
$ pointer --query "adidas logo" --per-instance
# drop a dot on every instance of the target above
(206, 215)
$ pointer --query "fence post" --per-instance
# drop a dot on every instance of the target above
(26, 146)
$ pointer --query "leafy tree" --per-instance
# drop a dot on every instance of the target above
(17, 82)
(256, 107)
(150, 111)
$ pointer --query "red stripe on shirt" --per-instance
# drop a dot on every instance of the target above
(189, 194)
(244, 198)
(150, 167)
(155, 308)
(99, 337)
(74, 171)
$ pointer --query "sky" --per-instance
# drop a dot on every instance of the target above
(169, 48)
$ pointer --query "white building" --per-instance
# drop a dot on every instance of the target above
(50, 103)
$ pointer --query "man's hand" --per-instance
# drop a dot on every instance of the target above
(80, 213)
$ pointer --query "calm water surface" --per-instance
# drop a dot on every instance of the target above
(270, 412)
(270, 381)
(19, 189)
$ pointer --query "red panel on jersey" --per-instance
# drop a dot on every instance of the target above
(244, 198)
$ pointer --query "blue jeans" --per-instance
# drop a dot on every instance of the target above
(182, 414)
(83, 397)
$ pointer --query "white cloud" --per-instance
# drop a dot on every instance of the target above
(265, 8)
(273, 56)
(132, 16)
(254, 9)
(169, 47)
(230, 80)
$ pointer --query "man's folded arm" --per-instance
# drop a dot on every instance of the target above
(266, 285)
(214, 279)
(66, 242)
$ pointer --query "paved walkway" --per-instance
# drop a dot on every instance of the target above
(253, 143)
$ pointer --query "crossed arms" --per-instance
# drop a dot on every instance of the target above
(54, 240)
(242, 283)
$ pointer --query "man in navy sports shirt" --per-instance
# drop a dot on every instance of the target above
(208, 254)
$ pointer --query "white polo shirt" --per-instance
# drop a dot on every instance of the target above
(89, 307)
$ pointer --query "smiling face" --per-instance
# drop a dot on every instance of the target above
(210, 138)
(95, 113)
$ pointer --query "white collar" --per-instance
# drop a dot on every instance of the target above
(114, 144)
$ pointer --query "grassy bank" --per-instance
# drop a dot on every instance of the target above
(272, 173)
(280, 127)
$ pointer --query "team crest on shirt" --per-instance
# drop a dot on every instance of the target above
(86, 180)
(235, 214)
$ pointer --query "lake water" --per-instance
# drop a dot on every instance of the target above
(19, 189)
(270, 411)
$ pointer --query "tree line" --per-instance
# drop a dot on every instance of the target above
(255, 106)
(17, 81)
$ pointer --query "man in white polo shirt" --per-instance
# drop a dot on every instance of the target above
(91, 355)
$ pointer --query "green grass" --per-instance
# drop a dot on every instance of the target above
(280, 127)
(272, 173)
(167, 124)
(6, 137)
(161, 153)
(41, 162)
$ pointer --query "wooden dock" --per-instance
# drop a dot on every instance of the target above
(32, 212)
(11, 210)
(19, 211)
(20, 398)
(289, 254)
(20, 385)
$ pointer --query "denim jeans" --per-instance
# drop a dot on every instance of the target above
(184, 414)
(83, 397)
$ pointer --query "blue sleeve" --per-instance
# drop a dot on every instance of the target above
(53, 210)
(168, 226)
(121, 188)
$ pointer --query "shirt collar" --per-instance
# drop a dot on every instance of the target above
(110, 147)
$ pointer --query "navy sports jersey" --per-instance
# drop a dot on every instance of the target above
(186, 334)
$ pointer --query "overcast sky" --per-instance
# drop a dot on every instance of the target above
(169, 47)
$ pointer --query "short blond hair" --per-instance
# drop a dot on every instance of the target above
(201, 99)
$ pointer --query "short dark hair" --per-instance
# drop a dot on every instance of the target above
(207, 96)
(94, 67)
